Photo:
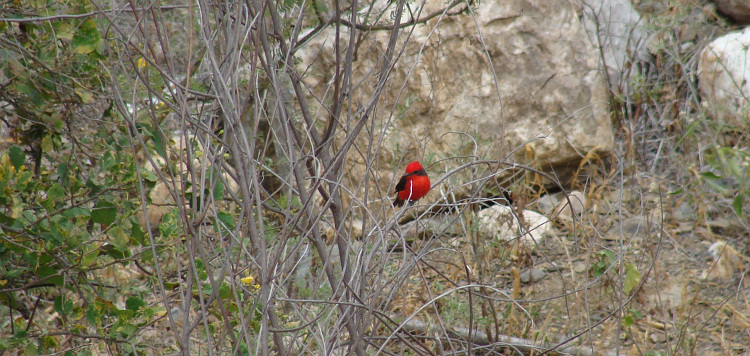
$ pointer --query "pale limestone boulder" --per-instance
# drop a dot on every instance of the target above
(498, 221)
(617, 27)
(724, 78)
(520, 74)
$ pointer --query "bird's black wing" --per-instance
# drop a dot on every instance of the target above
(401, 183)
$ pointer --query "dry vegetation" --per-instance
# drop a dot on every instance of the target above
(252, 210)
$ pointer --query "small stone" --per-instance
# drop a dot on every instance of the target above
(637, 225)
(535, 274)
(580, 267)
(547, 203)
(577, 205)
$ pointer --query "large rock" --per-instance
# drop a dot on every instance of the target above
(520, 74)
(617, 27)
(738, 10)
(724, 78)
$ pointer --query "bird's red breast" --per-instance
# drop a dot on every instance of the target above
(413, 185)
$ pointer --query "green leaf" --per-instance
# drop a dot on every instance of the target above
(20, 334)
(113, 252)
(34, 95)
(119, 239)
(17, 156)
(86, 38)
(104, 213)
(226, 219)
(627, 321)
(62, 171)
(54, 193)
(138, 234)
(159, 146)
(89, 258)
(169, 224)
(218, 190)
(86, 96)
(6, 220)
(63, 305)
(54, 277)
(107, 161)
(225, 291)
(714, 182)
(64, 30)
(134, 303)
(76, 212)
(737, 203)
(48, 144)
(23, 180)
(129, 329)
(93, 316)
(632, 278)
(45, 258)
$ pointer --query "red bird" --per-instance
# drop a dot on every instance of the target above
(413, 185)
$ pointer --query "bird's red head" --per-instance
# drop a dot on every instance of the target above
(413, 167)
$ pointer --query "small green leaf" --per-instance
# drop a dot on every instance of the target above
(6, 220)
(86, 38)
(89, 258)
(64, 29)
(737, 203)
(86, 96)
(159, 146)
(104, 213)
(45, 258)
(24, 180)
(627, 321)
(76, 212)
(119, 239)
(169, 224)
(92, 315)
(632, 278)
(33, 95)
(134, 303)
(128, 329)
(138, 234)
(48, 144)
(55, 191)
(225, 291)
(226, 219)
(17, 156)
(107, 161)
(51, 275)
(63, 305)
(218, 190)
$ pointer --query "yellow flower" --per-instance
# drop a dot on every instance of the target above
(141, 63)
(247, 280)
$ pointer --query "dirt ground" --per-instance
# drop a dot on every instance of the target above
(635, 271)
